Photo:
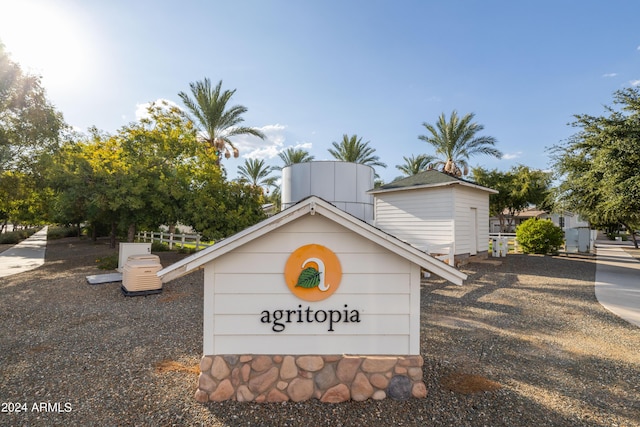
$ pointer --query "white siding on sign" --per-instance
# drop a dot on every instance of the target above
(382, 286)
(420, 217)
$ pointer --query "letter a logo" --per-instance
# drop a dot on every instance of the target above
(313, 272)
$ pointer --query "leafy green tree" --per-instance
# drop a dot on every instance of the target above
(292, 155)
(70, 176)
(19, 201)
(80, 175)
(138, 177)
(518, 188)
(218, 208)
(30, 128)
(599, 164)
(539, 236)
(415, 164)
(352, 149)
(159, 153)
(29, 123)
(456, 141)
(275, 197)
(217, 121)
(256, 173)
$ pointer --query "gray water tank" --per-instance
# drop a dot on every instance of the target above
(343, 184)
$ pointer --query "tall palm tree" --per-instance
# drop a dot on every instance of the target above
(292, 155)
(352, 149)
(415, 164)
(456, 141)
(256, 173)
(217, 121)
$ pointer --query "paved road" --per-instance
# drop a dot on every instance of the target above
(24, 256)
(618, 281)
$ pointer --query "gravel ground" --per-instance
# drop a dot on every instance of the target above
(523, 343)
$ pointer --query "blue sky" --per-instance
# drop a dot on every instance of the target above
(311, 71)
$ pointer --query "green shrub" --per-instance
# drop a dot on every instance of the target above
(159, 247)
(186, 250)
(109, 262)
(13, 237)
(56, 232)
(539, 236)
(10, 238)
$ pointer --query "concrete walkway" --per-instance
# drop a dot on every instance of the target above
(24, 256)
(618, 280)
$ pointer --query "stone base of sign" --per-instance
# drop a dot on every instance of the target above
(329, 378)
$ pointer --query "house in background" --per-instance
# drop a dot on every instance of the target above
(563, 220)
(436, 212)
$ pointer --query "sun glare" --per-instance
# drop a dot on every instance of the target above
(47, 39)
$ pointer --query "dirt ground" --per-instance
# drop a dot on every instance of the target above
(523, 342)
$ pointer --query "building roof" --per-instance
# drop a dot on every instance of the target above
(428, 179)
(531, 212)
(313, 206)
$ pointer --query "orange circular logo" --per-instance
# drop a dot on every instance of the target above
(313, 272)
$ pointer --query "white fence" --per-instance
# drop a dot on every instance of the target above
(502, 239)
(172, 239)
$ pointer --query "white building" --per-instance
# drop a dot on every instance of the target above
(563, 220)
(436, 212)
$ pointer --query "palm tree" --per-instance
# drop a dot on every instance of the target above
(217, 122)
(292, 155)
(256, 173)
(456, 141)
(415, 164)
(352, 149)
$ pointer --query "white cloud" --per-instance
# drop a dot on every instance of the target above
(635, 82)
(609, 74)
(511, 156)
(303, 146)
(141, 109)
(252, 147)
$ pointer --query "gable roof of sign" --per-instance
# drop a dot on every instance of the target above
(313, 206)
(428, 179)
